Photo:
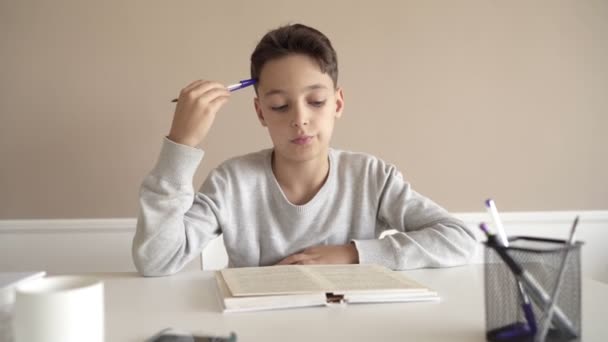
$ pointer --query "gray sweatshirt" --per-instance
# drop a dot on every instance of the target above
(241, 199)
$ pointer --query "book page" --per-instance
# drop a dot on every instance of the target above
(223, 289)
(344, 278)
(231, 303)
(295, 279)
(255, 281)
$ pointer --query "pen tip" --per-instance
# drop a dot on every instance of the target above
(484, 227)
(575, 223)
(489, 202)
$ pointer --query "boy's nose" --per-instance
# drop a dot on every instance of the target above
(300, 118)
(299, 123)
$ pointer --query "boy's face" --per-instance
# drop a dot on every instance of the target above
(299, 105)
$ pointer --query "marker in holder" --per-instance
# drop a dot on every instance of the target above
(506, 293)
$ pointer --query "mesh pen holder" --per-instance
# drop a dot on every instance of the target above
(506, 295)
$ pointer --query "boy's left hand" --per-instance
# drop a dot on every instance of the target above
(332, 254)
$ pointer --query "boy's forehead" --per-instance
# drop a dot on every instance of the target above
(274, 91)
(294, 72)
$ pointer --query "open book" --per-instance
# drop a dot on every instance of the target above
(291, 286)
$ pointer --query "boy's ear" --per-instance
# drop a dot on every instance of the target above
(258, 110)
(339, 102)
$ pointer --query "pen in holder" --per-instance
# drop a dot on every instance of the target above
(519, 282)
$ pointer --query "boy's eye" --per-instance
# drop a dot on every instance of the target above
(317, 103)
(279, 108)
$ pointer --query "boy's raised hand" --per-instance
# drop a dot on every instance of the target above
(196, 108)
(331, 254)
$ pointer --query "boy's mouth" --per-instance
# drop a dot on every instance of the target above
(302, 140)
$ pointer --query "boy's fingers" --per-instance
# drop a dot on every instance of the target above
(192, 85)
(294, 258)
(307, 262)
(217, 103)
(205, 87)
(286, 261)
(197, 88)
(211, 97)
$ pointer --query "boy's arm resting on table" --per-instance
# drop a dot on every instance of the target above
(428, 236)
(172, 225)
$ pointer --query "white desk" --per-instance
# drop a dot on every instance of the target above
(138, 307)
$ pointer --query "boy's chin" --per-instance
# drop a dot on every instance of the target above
(301, 154)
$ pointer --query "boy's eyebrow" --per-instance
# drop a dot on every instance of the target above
(310, 87)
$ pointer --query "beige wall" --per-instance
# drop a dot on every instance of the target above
(469, 99)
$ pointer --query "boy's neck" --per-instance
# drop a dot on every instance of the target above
(300, 181)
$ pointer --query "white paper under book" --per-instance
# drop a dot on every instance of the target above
(291, 286)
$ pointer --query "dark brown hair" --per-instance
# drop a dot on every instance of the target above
(295, 39)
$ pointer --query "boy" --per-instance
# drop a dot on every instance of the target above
(300, 202)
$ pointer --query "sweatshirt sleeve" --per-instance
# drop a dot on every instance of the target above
(174, 225)
(428, 236)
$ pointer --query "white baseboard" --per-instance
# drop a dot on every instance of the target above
(544, 217)
(61, 226)
(104, 245)
(592, 230)
(551, 224)
(128, 224)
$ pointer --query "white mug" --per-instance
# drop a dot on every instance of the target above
(59, 309)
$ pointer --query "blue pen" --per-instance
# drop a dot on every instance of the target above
(242, 84)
